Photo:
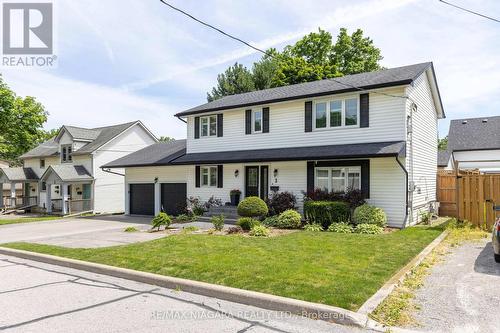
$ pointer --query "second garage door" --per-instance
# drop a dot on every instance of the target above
(173, 198)
(142, 199)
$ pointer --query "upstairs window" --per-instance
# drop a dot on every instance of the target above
(66, 151)
(338, 179)
(42, 164)
(336, 113)
(208, 176)
(208, 126)
(257, 121)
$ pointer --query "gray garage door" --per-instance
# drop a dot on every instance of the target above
(173, 198)
(142, 199)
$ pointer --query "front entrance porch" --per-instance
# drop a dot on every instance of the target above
(67, 189)
(13, 177)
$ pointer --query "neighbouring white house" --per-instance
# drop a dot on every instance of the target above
(376, 132)
(473, 143)
(6, 193)
(63, 174)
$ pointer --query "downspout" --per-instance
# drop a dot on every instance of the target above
(406, 186)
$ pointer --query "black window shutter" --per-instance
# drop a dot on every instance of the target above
(265, 120)
(309, 116)
(219, 124)
(248, 122)
(365, 178)
(364, 110)
(196, 127)
(310, 176)
(197, 175)
(220, 177)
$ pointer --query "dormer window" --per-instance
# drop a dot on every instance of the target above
(66, 151)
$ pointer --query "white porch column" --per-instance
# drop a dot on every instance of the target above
(48, 198)
(157, 198)
(64, 198)
(1, 195)
(12, 193)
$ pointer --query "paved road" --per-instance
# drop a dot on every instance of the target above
(462, 294)
(38, 297)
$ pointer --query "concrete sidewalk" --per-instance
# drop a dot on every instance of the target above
(38, 297)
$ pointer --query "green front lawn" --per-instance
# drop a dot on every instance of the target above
(337, 269)
(28, 219)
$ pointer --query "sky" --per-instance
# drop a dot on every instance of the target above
(125, 60)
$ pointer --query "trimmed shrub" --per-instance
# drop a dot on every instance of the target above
(341, 228)
(247, 223)
(326, 212)
(259, 231)
(218, 222)
(252, 207)
(313, 227)
(289, 219)
(368, 229)
(279, 202)
(131, 229)
(367, 214)
(270, 221)
(162, 219)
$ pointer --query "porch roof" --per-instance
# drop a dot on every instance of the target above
(68, 173)
(18, 174)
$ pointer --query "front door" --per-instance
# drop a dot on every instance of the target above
(86, 192)
(257, 181)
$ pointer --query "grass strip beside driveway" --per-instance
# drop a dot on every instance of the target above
(4, 221)
(342, 270)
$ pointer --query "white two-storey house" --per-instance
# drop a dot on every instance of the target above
(376, 132)
(63, 174)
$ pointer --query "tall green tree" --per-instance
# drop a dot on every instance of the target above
(313, 57)
(443, 143)
(21, 123)
(236, 79)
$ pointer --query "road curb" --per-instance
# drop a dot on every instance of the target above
(371, 304)
(252, 298)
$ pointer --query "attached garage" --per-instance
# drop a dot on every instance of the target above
(142, 199)
(173, 198)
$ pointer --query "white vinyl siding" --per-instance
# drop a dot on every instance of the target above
(287, 122)
(423, 147)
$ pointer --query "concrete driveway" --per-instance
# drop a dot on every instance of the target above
(38, 297)
(87, 232)
(462, 294)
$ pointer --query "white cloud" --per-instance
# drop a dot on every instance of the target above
(78, 103)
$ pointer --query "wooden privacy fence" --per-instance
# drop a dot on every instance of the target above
(469, 197)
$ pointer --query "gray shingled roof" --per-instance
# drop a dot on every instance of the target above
(68, 172)
(161, 153)
(383, 78)
(82, 133)
(474, 134)
(443, 157)
(99, 135)
(19, 174)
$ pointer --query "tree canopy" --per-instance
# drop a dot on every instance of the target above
(314, 57)
(21, 123)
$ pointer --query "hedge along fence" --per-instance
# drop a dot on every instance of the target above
(326, 212)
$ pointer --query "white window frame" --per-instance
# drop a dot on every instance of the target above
(343, 113)
(254, 112)
(345, 169)
(209, 169)
(208, 126)
(65, 151)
